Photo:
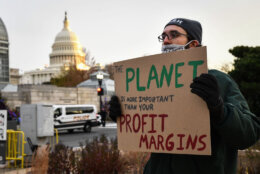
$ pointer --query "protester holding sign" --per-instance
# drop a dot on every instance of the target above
(233, 126)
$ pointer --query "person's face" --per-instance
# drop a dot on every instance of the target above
(179, 40)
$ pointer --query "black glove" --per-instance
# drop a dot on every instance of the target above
(114, 108)
(206, 86)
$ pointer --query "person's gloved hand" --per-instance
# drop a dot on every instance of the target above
(206, 86)
(114, 108)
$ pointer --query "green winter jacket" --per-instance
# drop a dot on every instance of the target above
(239, 130)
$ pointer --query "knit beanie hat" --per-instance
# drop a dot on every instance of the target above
(193, 28)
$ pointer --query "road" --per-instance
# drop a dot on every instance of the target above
(79, 136)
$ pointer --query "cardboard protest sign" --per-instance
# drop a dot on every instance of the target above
(160, 114)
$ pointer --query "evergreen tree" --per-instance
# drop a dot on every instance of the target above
(246, 73)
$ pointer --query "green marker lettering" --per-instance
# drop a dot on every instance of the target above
(195, 65)
(153, 75)
(129, 70)
(177, 75)
(167, 75)
(138, 87)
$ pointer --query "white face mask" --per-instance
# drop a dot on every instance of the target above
(174, 47)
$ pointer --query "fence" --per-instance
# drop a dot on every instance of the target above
(15, 147)
(52, 139)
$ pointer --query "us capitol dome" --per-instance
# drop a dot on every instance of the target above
(66, 51)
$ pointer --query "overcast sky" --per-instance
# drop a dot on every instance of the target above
(113, 30)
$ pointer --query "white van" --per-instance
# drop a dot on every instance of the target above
(70, 117)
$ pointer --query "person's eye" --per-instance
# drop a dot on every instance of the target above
(174, 34)
(163, 36)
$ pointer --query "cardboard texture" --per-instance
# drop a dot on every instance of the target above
(160, 114)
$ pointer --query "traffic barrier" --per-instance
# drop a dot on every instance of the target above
(52, 140)
(15, 147)
(57, 136)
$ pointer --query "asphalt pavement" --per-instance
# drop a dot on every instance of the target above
(79, 136)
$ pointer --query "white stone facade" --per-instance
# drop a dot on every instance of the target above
(39, 76)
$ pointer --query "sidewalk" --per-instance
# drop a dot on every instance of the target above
(109, 125)
(15, 171)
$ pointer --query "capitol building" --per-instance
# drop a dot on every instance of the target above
(66, 51)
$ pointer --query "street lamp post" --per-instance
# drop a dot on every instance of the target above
(100, 78)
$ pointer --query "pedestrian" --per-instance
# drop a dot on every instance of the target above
(103, 114)
(233, 126)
